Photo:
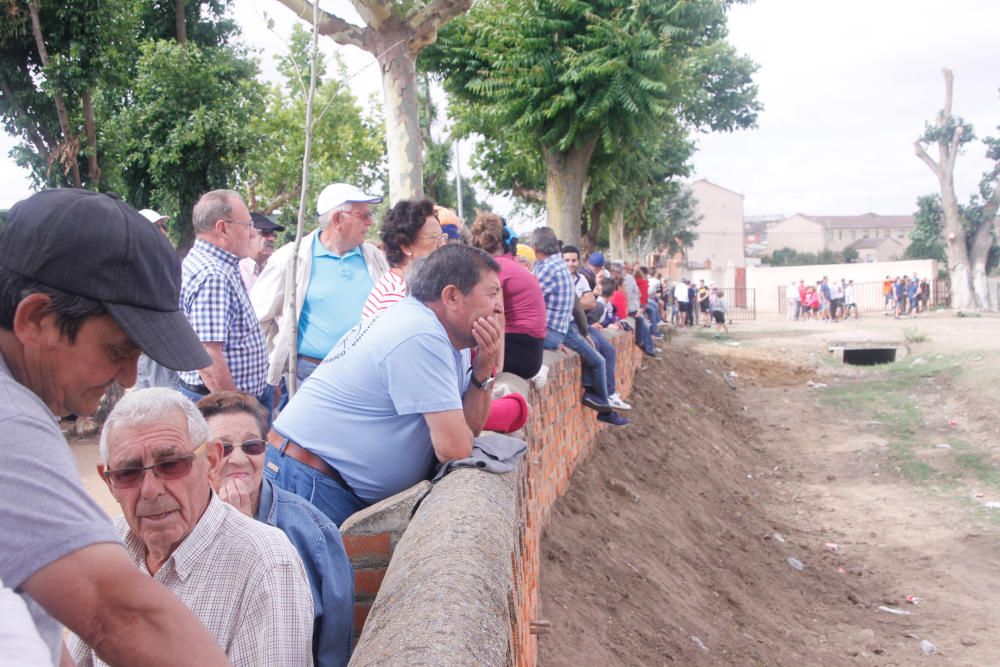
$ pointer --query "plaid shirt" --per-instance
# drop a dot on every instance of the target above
(216, 303)
(557, 290)
(242, 579)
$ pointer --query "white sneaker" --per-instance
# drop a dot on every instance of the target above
(540, 377)
(616, 401)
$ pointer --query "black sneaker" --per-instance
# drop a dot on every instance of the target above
(613, 418)
(594, 402)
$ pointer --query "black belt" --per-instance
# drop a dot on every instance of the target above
(199, 389)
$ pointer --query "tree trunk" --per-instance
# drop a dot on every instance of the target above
(565, 183)
(955, 248)
(68, 148)
(180, 17)
(93, 170)
(402, 121)
(588, 243)
(616, 237)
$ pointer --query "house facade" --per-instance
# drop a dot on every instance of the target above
(720, 228)
(811, 233)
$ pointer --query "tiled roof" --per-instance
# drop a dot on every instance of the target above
(865, 244)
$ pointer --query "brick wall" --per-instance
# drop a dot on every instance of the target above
(560, 434)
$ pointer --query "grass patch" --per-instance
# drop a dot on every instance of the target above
(914, 335)
(885, 397)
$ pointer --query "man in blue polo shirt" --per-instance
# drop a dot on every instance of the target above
(335, 271)
(397, 394)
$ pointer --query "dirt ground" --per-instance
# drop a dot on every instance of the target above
(846, 522)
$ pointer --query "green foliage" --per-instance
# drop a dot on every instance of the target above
(552, 75)
(925, 237)
(186, 128)
(348, 146)
(790, 257)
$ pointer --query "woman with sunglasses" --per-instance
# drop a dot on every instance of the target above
(410, 230)
(239, 422)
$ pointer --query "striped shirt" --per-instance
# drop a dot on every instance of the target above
(389, 289)
(557, 290)
(215, 301)
(242, 579)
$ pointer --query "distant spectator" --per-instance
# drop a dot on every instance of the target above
(717, 306)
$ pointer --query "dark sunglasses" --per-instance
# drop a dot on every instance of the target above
(253, 447)
(127, 478)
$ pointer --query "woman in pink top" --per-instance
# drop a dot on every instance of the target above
(410, 230)
(524, 307)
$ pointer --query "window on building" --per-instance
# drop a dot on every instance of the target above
(840, 235)
(854, 235)
(867, 234)
(900, 233)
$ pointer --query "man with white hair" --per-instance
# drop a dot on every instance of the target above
(241, 578)
(335, 272)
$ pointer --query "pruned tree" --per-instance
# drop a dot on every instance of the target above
(967, 238)
(395, 32)
(573, 79)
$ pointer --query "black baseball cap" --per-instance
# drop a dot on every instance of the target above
(94, 245)
(265, 223)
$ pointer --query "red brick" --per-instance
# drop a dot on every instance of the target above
(361, 610)
(368, 545)
(367, 581)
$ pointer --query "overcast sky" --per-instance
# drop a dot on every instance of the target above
(846, 87)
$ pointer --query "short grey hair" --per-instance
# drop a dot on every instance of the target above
(544, 240)
(212, 206)
(147, 406)
(324, 220)
(454, 264)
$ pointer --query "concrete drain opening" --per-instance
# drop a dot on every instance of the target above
(870, 357)
(869, 354)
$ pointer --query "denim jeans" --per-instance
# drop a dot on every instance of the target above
(303, 369)
(594, 368)
(643, 337)
(332, 499)
(653, 312)
(607, 351)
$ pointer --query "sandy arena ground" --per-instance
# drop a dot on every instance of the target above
(681, 540)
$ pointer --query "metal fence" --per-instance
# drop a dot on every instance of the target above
(870, 298)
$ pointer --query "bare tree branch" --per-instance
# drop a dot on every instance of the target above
(429, 19)
(333, 26)
(922, 154)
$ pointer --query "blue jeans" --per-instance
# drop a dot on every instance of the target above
(654, 313)
(643, 337)
(332, 499)
(607, 351)
(594, 368)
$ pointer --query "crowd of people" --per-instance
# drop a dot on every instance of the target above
(233, 450)
(834, 301)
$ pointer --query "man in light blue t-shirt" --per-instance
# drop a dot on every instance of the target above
(397, 394)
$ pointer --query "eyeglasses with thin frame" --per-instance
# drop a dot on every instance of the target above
(365, 217)
(242, 224)
(132, 476)
(253, 447)
(440, 239)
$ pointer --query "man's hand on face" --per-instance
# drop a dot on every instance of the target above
(488, 333)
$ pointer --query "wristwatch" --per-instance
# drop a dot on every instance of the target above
(484, 385)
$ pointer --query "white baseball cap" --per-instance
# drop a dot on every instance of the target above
(336, 194)
(152, 215)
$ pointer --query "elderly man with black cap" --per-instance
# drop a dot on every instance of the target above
(261, 248)
(86, 283)
(335, 271)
